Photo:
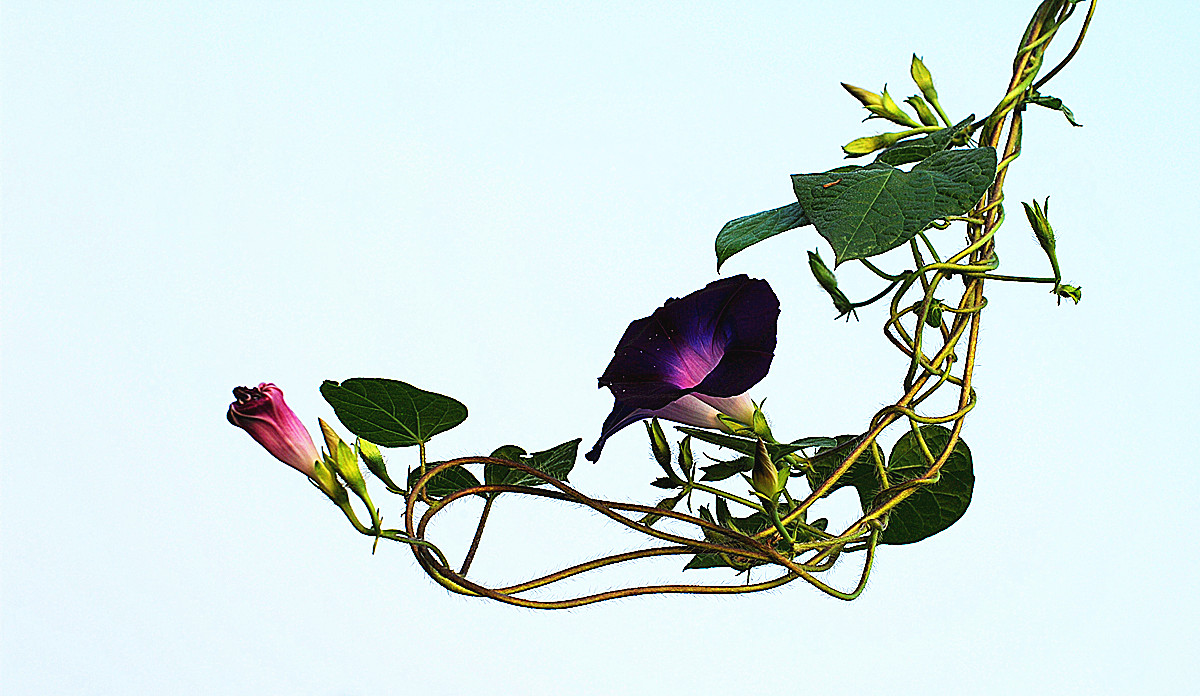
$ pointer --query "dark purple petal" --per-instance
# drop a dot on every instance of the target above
(688, 409)
(716, 342)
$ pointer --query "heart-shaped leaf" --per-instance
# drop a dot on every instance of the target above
(391, 413)
(866, 211)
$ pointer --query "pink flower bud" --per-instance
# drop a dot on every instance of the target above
(262, 412)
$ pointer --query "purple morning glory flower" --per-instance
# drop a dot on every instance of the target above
(262, 412)
(694, 358)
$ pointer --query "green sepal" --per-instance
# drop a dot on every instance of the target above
(1070, 292)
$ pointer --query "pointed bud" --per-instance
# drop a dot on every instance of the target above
(1040, 223)
(892, 111)
(1044, 233)
(934, 317)
(658, 444)
(686, 461)
(924, 80)
(828, 283)
(865, 97)
(372, 457)
(923, 111)
(734, 426)
(343, 460)
(865, 146)
(765, 477)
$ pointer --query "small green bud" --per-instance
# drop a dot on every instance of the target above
(921, 76)
(1038, 220)
(828, 283)
(923, 111)
(1044, 233)
(658, 445)
(821, 272)
(686, 463)
(765, 478)
(934, 317)
(892, 112)
(865, 97)
(343, 460)
(372, 457)
(865, 146)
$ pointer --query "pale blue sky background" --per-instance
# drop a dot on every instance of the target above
(477, 198)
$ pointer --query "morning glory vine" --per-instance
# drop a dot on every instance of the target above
(695, 359)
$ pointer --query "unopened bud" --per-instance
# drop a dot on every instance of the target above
(924, 80)
(934, 316)
(765, 478)
(1038, 220)
(371, 456)
(686, 462)
(659, 446)
(892, 111)
(1045, 235)
(865, 97)
(343, 460)
(923, 111)
(828, 283)
(865, 146)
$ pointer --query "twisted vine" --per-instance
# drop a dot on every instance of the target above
(788, 543)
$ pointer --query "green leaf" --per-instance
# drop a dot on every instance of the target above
(497, 475)
(702, 561)
(445, 482)
(741, 444)
(877, 208)
(934, 507)
(862, 473)
(917, 149)
(1056, 104)
(556, 462)
(723, 470)
(746, 231)
(391, 413)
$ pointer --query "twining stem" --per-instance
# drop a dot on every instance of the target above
(926, 374)
(487, 508)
